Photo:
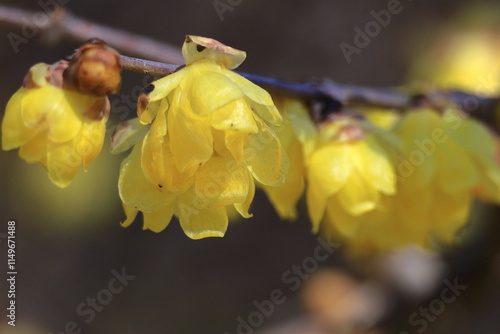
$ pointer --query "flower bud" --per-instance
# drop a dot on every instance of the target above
(94, 69)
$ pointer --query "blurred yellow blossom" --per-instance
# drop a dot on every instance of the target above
(447, 161)
(298, 136)
(350, 174)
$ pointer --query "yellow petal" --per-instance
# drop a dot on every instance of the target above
(235, 116)
(302, 125)
(63, 162)
(373, 165)
(161, 88)
(158, 166)
(203, 223)
(47, 109)
(357, 196)
(340, 219)
(191, 140)
(452, 211)
(472, 135)
(265, 157)
(208, 88)
(35, 150)
(220, 142)
(222, 181)
(316, 205)
(14, 132)
(329, 168)
(148, 113)
(284, 197)
(130, 213)
(89, 140)
(418, 166)
(259, 100)
(157, 221)
(244, 207)
(135, 190)
(236, 142)
(453, 178)
(488, 188)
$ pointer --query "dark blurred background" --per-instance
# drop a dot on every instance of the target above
(69, 241)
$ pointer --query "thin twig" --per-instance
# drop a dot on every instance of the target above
(60, 24)
(63, 25)
(480, 107)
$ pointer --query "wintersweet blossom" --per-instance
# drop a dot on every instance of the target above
(210, 137)
(58, 116)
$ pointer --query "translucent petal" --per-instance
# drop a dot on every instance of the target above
(63, 162)
(220, 142)
(208, 88)
(191, 140)
(157, 221)
(47, 109)
(302, 124)
(265, 157)
(130, 213)
(236, 116)
(258, 98)
(203, 223)
(236, 142)
(164, 86)
(89, 140)
(158, 167)
(14, 131)
(244, 207)
(222, 181)
(135, 190)
(284, 197)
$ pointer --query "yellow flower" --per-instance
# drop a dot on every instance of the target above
(58, 117)
(210, 137)
(447, 160)
(298, 137)
(54, 126)
(350, 175)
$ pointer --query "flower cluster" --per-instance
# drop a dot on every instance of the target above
(377, 189)
(205, 137)
(210, 137)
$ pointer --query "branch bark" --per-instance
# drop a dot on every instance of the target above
(63, 25)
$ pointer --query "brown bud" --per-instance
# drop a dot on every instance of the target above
(94, 69)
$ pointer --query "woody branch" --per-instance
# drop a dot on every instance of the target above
(60, 25)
